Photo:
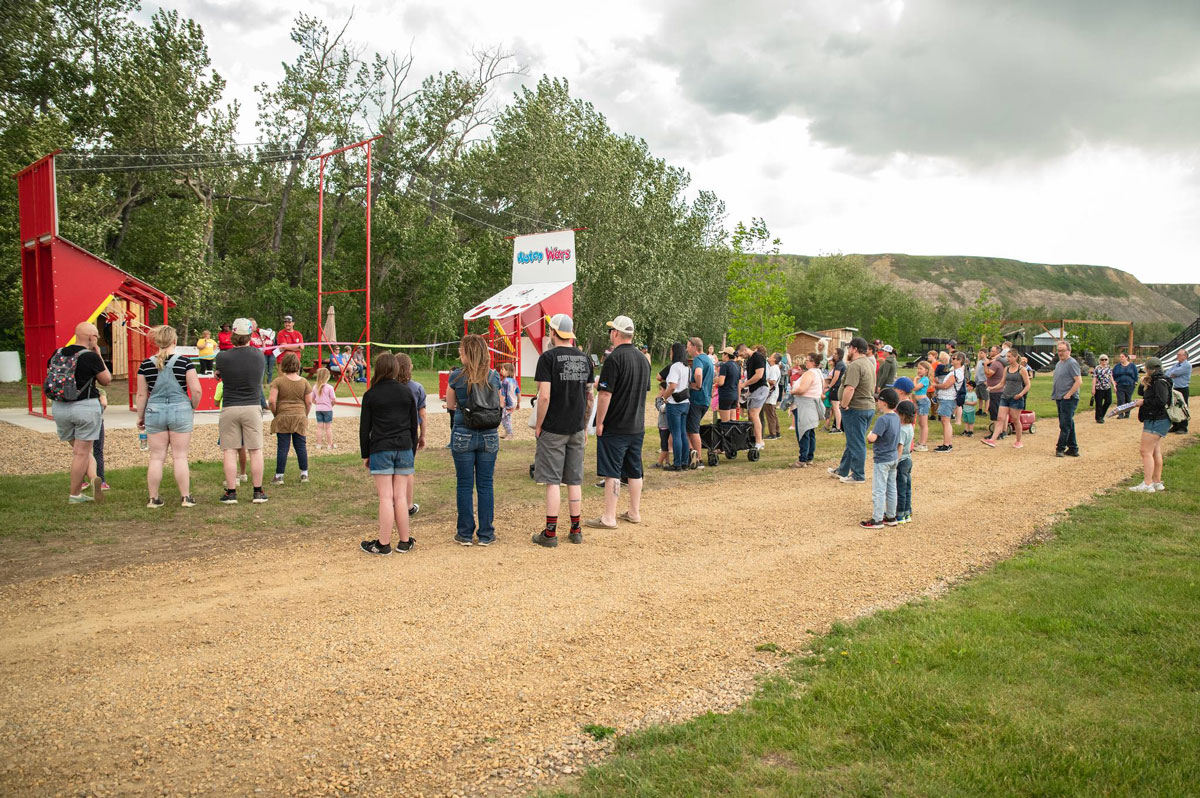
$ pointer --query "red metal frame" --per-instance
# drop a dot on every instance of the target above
(63, 284)
(321, 293)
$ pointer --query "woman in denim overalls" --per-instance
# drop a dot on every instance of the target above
(165, 411)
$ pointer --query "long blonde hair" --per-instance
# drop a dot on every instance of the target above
(322, 376)
(164, 337)
(474, 354)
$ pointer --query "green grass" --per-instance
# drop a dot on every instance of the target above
(1071, 669)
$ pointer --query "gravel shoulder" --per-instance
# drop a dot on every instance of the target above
(313, 670)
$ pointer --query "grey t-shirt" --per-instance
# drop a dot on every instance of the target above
(887, 430)
(1065, 372)
(241, 369)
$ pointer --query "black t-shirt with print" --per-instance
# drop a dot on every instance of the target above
(626, 376)
(86, 369)
(755, 362)
(569, 372)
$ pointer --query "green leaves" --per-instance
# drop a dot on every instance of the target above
(756, 293)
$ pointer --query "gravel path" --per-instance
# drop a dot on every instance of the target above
(314, 670)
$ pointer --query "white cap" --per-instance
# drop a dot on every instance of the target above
(622, 324)
(242, 327)
(888, 348)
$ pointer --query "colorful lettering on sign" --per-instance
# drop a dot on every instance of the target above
(554, 253)
(532, 256)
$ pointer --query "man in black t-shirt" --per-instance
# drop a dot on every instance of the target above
(756, 384)
(564, 380)
(78, 421)
(621, 424)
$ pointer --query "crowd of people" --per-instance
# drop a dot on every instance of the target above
(855, 392)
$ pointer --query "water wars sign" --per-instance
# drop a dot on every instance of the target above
(544, 258)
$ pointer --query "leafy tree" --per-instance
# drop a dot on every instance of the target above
(758, 305)
(981, 322)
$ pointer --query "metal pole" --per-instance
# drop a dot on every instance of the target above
(368, 336)
(320, 247)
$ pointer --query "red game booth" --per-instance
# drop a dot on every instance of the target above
(64, 284)
(543, 278)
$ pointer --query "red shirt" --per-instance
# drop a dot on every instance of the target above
(224, 340)
(286, 337)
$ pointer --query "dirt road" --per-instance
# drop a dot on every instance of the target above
(316, 670)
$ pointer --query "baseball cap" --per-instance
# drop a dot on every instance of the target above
(888, 348)
(242, 327)
(729, 350)
(562, 324)
(288, 318)
(903, 384)
(906, 408)
(622, 324)
(1152, 364)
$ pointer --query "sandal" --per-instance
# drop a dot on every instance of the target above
(625, 517)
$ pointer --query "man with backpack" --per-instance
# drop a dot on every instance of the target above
(564, 384)
(72, 378)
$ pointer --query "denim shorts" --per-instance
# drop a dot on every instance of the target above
(946, 408)
(172, 417)
(1016, 404)
(78, 421)
(923, 406)
(394, 461)
(324, 416)
(1157, 427)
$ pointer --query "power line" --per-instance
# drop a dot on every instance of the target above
(478, 204)
(468, 216)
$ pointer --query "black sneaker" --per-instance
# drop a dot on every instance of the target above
(230, 497)
(187, 501)
(944, 448)
(890, 521)
(485, 542)
(575, 537)
(1060, 453)
(1072, 452)
(155, 503)
(542, 539)
(404, 545)
(375, 547)
(871, 523)
(259, 497)
(416, 508)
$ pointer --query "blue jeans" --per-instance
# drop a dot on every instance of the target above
(883, 491)
(474, 453)
(808, 445)
(854, 458)
(1066, 424)
(677, 423)
(904, 488)
(269, 367)
(283, 441)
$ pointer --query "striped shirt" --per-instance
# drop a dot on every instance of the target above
(149, 370)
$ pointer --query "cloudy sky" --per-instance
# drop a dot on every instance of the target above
(1060, 131)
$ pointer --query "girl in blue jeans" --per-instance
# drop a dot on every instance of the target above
(473, 450)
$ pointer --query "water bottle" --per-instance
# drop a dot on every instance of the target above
(143, 441)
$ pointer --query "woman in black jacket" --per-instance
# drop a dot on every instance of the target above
(388, 440)
(1155, 390)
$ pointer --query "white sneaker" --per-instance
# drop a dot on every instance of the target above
(1159, 486)
(277, 479)
(1142, 487)
(760, 446)
(243, 478)
(851, 480)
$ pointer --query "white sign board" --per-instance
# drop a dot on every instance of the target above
(544, 258)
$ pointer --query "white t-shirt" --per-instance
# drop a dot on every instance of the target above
(946, 394)
(681, 376)
(773, 377)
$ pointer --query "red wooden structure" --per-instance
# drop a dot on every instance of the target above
(64, 284)
(365, 337)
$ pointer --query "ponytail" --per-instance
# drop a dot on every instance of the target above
(164, 337)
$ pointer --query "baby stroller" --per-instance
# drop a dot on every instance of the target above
(1028, 424)
(728, 437)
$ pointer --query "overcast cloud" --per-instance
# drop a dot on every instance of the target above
(976, 79)
(1059, 131)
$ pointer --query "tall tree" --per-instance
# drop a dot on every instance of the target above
(758, 303)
